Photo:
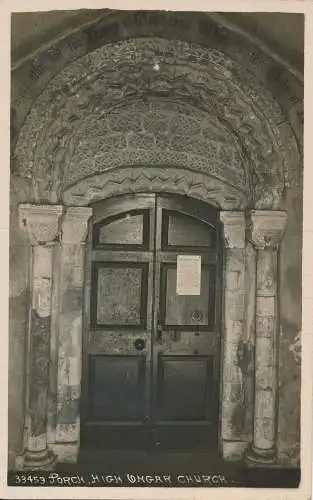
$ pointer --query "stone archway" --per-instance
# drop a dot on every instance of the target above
(183, 104)
(174, 117)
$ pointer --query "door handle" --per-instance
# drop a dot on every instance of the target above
(175, 335)
(139, 344)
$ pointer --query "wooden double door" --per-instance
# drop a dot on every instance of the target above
(152, 334)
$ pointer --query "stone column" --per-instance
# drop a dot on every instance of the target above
(265, 232)
(233, 319)
(42, 226)
(74, 232)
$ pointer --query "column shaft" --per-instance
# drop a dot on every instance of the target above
(41, 223)
(74, 231)
(266, 230)
(265, 369)
(54, 347)
(233, 412)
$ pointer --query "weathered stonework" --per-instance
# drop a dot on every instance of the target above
(72, 253)
(79, 120)
(233, 431)
(266, 228)
(250, 287)
(205, 29)
(54, 347)
(168, 179)
(42, 226)
(266, 231)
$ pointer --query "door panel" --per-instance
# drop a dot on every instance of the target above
(121, 295)
(116, 388)
(150, 355)
(127, 228)
(182, 311)
(185, 373)
(180, 230)
(117, 344)
(184, 380)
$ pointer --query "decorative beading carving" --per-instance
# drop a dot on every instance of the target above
(75, 224)
(234, 229)
(266, 228)
(40, 221)
(80, 116)
(152, 133)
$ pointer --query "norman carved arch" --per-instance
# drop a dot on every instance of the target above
(143, 179)
(164, 104)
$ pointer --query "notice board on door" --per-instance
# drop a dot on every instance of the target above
(188, 279)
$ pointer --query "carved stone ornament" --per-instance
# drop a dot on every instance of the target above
(166, 179)
(266, 228)
(234, 229)
(41, 222)
(95, 117)
(75, 224)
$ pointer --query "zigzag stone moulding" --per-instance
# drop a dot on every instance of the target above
(212, 117)
(170, 180)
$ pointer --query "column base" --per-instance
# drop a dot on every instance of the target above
(42, 460)
(67, 453)
(256, 457)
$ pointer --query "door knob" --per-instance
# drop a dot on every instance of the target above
(139, 344)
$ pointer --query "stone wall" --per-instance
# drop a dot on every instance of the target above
(19, 299)
(290, 333)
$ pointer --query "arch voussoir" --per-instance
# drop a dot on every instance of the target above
(202, 112)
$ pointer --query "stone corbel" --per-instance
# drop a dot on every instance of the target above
(41, 222)
(234, 229)
(266, 227)
(75, 225)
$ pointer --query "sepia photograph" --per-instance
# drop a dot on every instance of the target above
(156, 235)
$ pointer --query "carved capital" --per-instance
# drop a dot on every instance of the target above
(266, 228)
(75, 224)
(234, 229)
(41, 222)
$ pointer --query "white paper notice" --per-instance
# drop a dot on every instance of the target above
(188, 280)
